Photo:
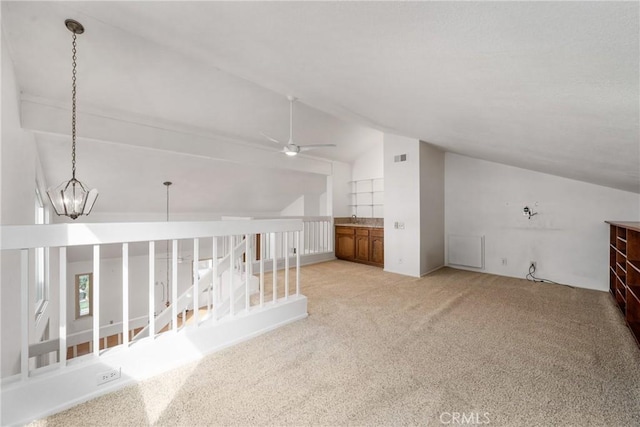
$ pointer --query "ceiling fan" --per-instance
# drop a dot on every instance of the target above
(290, 148)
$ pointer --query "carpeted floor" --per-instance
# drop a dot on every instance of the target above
(384, 349)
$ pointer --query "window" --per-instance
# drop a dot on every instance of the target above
(84, 304)
(41, 259)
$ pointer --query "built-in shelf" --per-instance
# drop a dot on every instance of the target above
(624, 271)
(367, 198)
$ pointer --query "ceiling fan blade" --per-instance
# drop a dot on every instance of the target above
(271, 139)
(314, 146)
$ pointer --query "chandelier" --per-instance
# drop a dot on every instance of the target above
(72, 198)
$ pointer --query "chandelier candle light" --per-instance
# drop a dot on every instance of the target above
(72, 198)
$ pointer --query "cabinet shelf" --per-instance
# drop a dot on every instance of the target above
(366, 197)
(624, 271)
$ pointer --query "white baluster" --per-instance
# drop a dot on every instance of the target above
(152, 297)
(247, 269)
(196, 282)
(214, 277)
(96, 300)
(125, 289)
(25, 315)
(262, 255)
(63, 306)
(232, 267)
(298, 263)
(174, 285)
(286, 265)
(274, 272)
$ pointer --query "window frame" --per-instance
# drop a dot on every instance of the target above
(89, 295)
(41, 258)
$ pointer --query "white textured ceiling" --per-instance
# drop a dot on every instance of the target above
(548, 86)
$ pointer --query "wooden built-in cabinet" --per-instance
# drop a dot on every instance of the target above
(624, 271)
(360, 244)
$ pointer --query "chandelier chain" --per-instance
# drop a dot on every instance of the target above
(73, 109)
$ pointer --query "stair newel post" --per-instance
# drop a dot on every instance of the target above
(96, 300)
(196, 282)
(62, 284)
(125, 294)
(174, 285)
(152, 297)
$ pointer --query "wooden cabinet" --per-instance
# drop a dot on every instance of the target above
(345, 243)
(360, 244)
(376, 247)
(624, 271)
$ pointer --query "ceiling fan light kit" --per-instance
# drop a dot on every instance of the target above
(290, 148)
(73, 198)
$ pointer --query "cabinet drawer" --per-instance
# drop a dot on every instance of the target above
(345, 230)
(377, 232)
(362, 232)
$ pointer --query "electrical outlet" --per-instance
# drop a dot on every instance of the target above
(534, 264)
(105, 377)
(504, 261)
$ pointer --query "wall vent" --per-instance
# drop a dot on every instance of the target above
(400, 158)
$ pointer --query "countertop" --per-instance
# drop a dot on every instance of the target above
(359, 225)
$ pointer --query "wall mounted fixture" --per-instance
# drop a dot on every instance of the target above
(528, 212)
(72, 198)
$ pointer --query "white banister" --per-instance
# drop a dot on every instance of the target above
(152, 290)
(62, 334)
(96, 300)
(196, 283)
(276, 237)
(25, 313)
(174, 285)
(125, 293)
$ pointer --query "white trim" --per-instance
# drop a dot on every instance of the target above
(35, 236)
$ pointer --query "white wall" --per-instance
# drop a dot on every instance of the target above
(296, 208)
(19, 168)
(339, 185)
(402, 204)
(431, 208)
(568, 238)
(370, 164)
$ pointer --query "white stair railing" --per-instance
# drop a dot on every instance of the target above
(240, 237)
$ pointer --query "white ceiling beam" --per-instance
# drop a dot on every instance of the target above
(45, 116)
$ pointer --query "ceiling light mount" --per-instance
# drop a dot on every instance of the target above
(72, 198)
(74, 26)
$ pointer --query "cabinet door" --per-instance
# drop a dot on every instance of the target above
(345, 243)
(362, 246)
(376, 247)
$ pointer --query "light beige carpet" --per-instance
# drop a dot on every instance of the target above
(383, 349)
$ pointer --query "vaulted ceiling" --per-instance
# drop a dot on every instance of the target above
(548, 86)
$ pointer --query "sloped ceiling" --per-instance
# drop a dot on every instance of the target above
(548, 86)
